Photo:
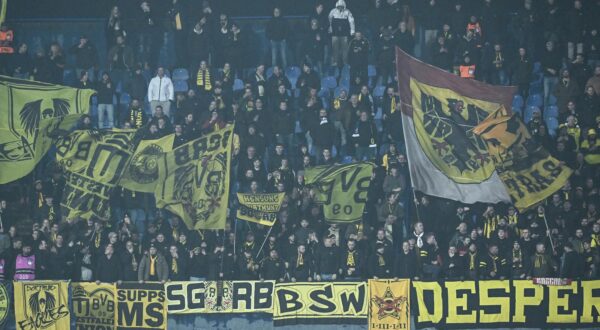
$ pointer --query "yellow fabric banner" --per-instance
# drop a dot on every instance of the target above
(341, 189)
(259, 208)
(527, 170)
(42, 305)
(94, 305)
(142, 173)
(194, 180)
(93, 162)
(313, 302)
(389, 304)
(141, 306)
(32, 114)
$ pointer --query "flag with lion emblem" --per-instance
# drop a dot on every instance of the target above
(439, 112)
(31, 114)
(528, 171)
(389, 304)
(194, 180)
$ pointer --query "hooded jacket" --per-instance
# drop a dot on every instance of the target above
(341, 22)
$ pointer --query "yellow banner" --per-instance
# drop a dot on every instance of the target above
(93, 162)
(310, 302)
(389, 304)
(527, 170)
(42, 305)
(219, 297)
(32, 115)
(194, 180)
(259, 208)
(142, 173)
(94, 305)
(141, 306)
(341, 189)
(4, 304)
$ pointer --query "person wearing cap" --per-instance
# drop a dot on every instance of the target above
(153, 266)
(590, 147)
(25, 263)
(341, 26)
(86, 57)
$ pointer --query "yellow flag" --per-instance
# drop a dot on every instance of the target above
(42, 305)
(259, 208)
(389, 304)
(528, 171)
(142, 173)
(29, 113)
(93, 162)
(194, 180)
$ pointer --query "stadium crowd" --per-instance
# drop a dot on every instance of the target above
(336, 103)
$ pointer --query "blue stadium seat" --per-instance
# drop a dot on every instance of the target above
(552, 125)
(536, 87)
(517, 101)
(517, 110)
(551, 112)
(379, 91)
(293, 72)
(180, 86)
(181, 74)
(535, 100)
(324, 92)
(329, 82)
(346, 71)
(345, 82)
(238, 85)
(551, 100)
(372, 72)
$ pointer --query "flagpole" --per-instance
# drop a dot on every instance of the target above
(549, 233)
(265, 240)
(412, 184)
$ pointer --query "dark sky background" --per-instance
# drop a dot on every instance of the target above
(18, 9)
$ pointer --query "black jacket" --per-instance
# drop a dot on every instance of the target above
(277, 29)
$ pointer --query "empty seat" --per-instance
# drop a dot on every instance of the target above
(180, 86)
(329, 82)
(517, 101)
(535, 100)
(181, 74)
(293, 72)
(551, 111)
(379, 91)
(238, 85)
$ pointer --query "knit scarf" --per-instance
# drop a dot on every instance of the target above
(51, 214)
(135, 118)
(393, 105)
(98, 239)
(337, 104)
(419, 239)
(300, 260)
(513, 219)
(380, 260)
(153, 265)
(540, 261)
(203, 80)
(174, 268)
(490, 226)
(494, 263)
(175, 234)
(40, 199)
(350, 259)
(472, 257)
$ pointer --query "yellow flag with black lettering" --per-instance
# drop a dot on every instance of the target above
(32, 114)
(94, 305)
(259, 208)
(528, 171)
(389, 304)
(142, 173)
(341, 189)
(42, 305)
(93, 162)
(194, 180)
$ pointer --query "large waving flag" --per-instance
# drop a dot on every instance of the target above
(32, 115)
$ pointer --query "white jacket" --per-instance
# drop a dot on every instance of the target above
(344, 14)
(161, 89)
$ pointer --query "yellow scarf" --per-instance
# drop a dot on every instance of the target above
(51, 214)
(393, 105)
(40, 199)
(153, 265)
(175, 234)
(337, 104)
(380, 260)
(350, 260)
(490, 226)
(539, 260)
(494, 263)
(472, 257)
(203, 80)
(98, 239)
(135, 118)
(300, 260)
(174, 269)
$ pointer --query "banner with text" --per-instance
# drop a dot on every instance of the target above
(341, 189)
(336, 303)
(500, 304)
(219, 297)
(93, 162)
(142, 173)
(141, 306)
(389, 304)
(94, 305)
(42, 305)
(259, 208)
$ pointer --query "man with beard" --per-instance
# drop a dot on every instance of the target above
(273, 267)
(108, 267)
(153, 267)
(300, 265)
(352, 262)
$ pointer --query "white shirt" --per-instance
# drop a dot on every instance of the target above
(161, 89)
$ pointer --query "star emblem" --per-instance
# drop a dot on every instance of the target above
(389, 306)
